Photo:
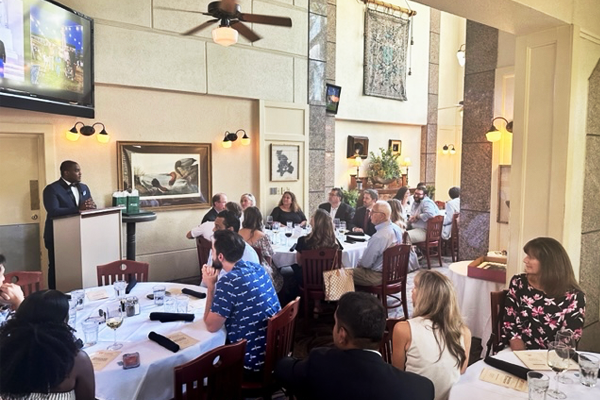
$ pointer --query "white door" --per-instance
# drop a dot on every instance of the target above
(21, 221)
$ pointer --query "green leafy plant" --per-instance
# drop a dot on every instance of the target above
(431, 191)
(384, 166)
(350, 196)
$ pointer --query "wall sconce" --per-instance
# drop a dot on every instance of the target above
(461, 54)
(493, 135)
(448, 148)
(406, 163)
(232, 137)
(358, 162)
(87, 130)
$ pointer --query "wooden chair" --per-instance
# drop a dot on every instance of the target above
(441, 204)
(203, 246)
(433, 240)
(314, 262)
(223, 377)
(395, 269)
(497, 300)
(30, 281)
(280, 342)
(451, 244)
(122, 270)
(386, 348)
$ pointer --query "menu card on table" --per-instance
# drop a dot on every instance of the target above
(503, 379)
(97, 294)
(184, 341)
(537, 360)
(102, 358)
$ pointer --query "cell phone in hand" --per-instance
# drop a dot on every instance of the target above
(131, 360)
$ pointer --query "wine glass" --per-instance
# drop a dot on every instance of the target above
(288, 235)
(558, 360)
(269, 222)
(276, 232)
(565, 336)
(114, 319)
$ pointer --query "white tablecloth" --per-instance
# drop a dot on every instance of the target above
(154, 378)
(474, 299)
(351, 254)
(470, 387)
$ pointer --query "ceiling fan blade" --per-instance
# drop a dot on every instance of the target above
(199, 27)
(185, 11)
(245, 31)
(266, 19)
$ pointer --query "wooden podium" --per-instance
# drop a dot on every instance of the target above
(83, 241)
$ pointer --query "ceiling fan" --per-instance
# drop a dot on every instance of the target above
(231, 18)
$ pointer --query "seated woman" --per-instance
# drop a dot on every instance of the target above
(434, 343)
(397, 216)
(403, 195)
(247, 200)
(288, 210)
(543, 300)
(252, 232)
(40, 359)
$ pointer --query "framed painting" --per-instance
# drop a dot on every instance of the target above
(395, 146)
(332, 98)
(357, 145)
(503, 194)
(168, 176)
(285, 162)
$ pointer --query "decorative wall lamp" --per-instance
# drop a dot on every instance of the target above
(448, 148)
(87, 130)
(232, 137)
(461, 54)
(406, 163)
(494, 134)
(357, 163)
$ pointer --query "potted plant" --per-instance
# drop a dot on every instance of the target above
(384, 168)
(350, 196)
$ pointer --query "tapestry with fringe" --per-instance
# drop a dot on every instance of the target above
(386, 43)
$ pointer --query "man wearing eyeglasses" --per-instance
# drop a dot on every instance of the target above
(368, 272)
(337, 209)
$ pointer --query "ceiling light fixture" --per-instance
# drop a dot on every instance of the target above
(224, 34)
(493, 134)
(87, 130)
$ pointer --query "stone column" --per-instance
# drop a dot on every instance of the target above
(476, 167)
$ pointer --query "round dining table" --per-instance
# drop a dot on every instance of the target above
(154, 378)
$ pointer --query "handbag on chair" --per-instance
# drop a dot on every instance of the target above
(337, 281)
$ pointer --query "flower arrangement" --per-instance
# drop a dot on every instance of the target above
(384, 167)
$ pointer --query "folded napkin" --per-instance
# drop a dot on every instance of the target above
(355, 233)
(164, 341)
(516, 370)
(170, 317)
(351, 241)
(191, 292)
(355, 239)
(131, 284)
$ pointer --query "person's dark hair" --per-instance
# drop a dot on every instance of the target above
(66, 166)
(338, 192)
(363, 317)
(253, 219)
(2, 259)
(234, 208)
(556, 271)
(400, 193)
(421, 184)
(37, 340)
(373, 193)
(230, 220)
(422, 188)
(322, 234)
(294, 207)
(454, 192)
(230, 244)
(216, 198)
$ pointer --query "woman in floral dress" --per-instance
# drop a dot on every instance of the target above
(543, 300)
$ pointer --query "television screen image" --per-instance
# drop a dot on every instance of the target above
(332, 98)
(46, 58)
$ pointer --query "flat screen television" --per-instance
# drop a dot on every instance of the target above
(46, 58)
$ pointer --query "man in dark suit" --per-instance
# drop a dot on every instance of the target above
(337, 209)
(362, 218)
(354, 369)
(218, 201)
(64, 197)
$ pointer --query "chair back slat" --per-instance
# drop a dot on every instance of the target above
(314, 262)
(223, 370)
(122, 270)
(30, 281)
(395, 264)
(203, 247)
(386, 348)
(497, 300)
(434, 228)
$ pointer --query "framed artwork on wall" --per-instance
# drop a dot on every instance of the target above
(167, 175)
(395, 146)
(503, 194)
(332, 98)
(357, 145)
(285, 162)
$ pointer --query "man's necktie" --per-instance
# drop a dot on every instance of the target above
(366, 224)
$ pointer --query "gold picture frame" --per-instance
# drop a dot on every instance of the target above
(395, 146)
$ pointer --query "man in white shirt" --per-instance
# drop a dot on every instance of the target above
(452, 207)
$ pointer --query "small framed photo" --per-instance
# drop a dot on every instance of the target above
(395, 146)
(358, 145)
(332, 98)
(285, 162)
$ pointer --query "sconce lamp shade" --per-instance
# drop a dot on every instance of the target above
(407, 162)
(245, 139)
(445, 149)
(357, 160)
(103, 137)
(226, 143)
(461, 55)
(87, 130)
(225, 36)
(231, 137)
(493, 135)
(452, 149)
(72, 134)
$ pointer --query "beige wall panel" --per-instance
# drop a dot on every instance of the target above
(300, 80)
(290, 40)
(135, 12)
(301, 3)
(283, 122)
(138, 58)
(241, 72)
(172, 265)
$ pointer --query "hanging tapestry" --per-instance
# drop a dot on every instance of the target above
(386, 43)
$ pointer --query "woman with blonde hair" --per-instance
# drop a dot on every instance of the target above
(397, 216)
(247, 200)
(288, 210)
(434, 343)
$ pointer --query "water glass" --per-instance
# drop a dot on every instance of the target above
(538, 384)
(90, 331)
(588, 369)
(120, 287)
(289, 225)
(182, 303)
(78, 295)
(170, 304)
(336, 223)
(159, 294)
